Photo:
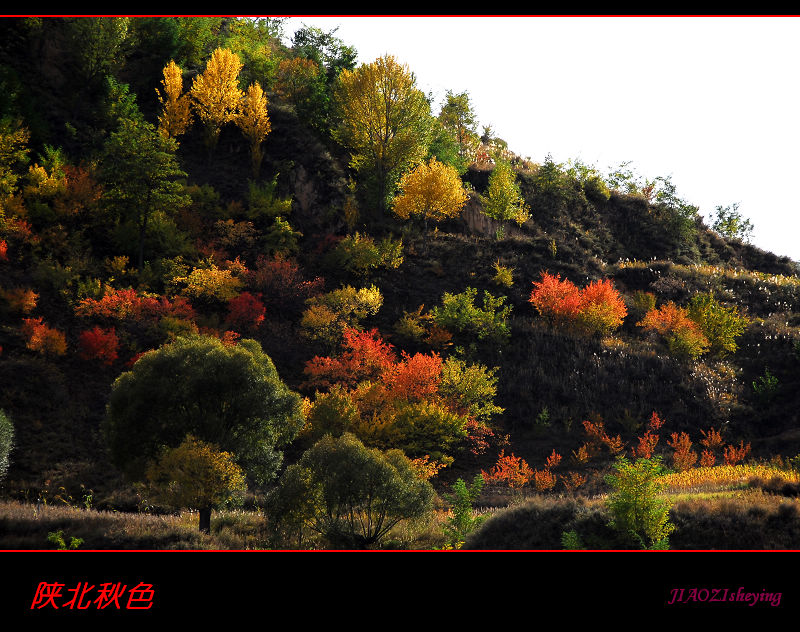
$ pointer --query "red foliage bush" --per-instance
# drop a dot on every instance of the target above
(3, 250)
(415, 378)
(99, 344)
(282, 283)
(364, 356)
(597, 308)
(44, 339)
(684, 457)
(734, 455)
(246, 311)
(127, 304)
(509, 470)
(682, 335)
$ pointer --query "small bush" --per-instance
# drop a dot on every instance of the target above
(360, 255)
(720, 325)
(99, 344)
(681, 334)
(459, 314)
(636, 510)
(596, 309)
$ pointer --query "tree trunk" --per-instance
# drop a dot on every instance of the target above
(205, 520)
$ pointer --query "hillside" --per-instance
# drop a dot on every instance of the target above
(531, 319)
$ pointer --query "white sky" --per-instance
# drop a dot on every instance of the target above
(713, 102)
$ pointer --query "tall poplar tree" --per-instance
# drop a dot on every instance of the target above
(216, 94)
(386, 122)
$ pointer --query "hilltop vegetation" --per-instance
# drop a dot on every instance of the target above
(284, 273)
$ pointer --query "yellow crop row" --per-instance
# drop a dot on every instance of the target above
(725, 476)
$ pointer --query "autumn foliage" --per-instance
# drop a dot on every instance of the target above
(176, 112)
(681, 334)
(128, 304)
(416, 402)
(364, 356)
(246, 311)
(215, 93)
(511, 471)
(597, 308)
(42, 338)
(99, 344)
(683, 457)
(431, 191)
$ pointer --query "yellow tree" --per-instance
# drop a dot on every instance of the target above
(196, 475)
(253, 120)
(176, 114)
(216, 94)
(385, 121)
(503, 200)
(432, 191)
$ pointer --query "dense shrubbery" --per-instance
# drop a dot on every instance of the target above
(114, 266)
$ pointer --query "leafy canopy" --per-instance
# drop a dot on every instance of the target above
(229, 395)
(432, 191)
(351, 494)
(385, 120)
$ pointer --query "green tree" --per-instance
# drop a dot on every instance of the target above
(459, 314)
(636, 510)
(385, 122)
(328, 51)
(141, 174)
(458, 117)
(461, 520)
(503, 200)
(730, 223)
(196, 475)
(350, 494)
(229, 395)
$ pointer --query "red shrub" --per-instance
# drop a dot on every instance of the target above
(99, 344)
(365, 356)
(3, 250)
(556, 300)
(509, 470)
(734, 455)
(597, 308)
(414, 378)
(44, 339)
(684, 457)
(246, 311)
(127, 304)
(682, 334)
